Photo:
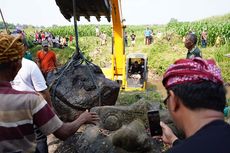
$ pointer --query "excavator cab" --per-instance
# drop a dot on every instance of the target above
(136, 71)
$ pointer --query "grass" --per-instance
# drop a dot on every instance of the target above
(128, 98)
(161, 54)
(62, 54)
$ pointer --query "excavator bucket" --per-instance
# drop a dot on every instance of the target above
(85, 8)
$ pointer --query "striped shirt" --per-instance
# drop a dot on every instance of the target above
(19, 111)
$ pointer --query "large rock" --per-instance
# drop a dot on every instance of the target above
(77, 87)
(122, 130)
(94, 140)
(114, 117)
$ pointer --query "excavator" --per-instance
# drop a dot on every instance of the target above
(123, 66)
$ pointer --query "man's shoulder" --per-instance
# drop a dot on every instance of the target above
(26, 95)
(39, 51)
(27, 61)
(206, 140)
(28, 65)
(51, 52)
(197, 50)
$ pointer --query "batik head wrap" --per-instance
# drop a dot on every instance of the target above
(192, 70)
(11, 48)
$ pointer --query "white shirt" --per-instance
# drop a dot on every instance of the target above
(29, 77)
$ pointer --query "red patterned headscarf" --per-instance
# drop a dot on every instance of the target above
(191, 70)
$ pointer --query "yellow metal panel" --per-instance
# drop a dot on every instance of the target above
(126, 88)
(118, 38)
(108, 73)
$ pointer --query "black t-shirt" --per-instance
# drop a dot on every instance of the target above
(133, 36)
(135, 70)
(212, 138)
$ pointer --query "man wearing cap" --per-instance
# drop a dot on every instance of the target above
(46, 59)
(21, 110)
(190, 44)
(196, 99)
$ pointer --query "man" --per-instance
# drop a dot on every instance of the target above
(46, 59)
(126, 39)
(133, 39)
(135, 71)
(190, 44)
(147, 36)
(103, 38)
(20, 110)
(204, 36)
(196, 99)
(135, 68)
(30, 78)
(97, 31)
(142, 64)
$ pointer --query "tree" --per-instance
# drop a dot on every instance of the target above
(173, 20)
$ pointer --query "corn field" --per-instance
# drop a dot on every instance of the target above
(83, 30)
(214, 29)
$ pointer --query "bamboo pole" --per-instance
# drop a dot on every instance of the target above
(4, 21)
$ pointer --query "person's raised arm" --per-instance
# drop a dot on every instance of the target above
(68, 129)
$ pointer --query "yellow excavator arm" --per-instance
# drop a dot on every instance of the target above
(118, 52)
(98, 8)
(108, 8)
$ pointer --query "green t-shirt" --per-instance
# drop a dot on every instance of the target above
(28, 55)
(195, 52)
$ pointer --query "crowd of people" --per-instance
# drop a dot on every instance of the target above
(132, 39)
(195, 98)
(45, 58)
(30, 111)
(54, 41)
(203, 37)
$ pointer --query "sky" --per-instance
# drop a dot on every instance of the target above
(136, 12)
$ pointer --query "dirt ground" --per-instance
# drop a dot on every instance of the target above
(52, 142)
